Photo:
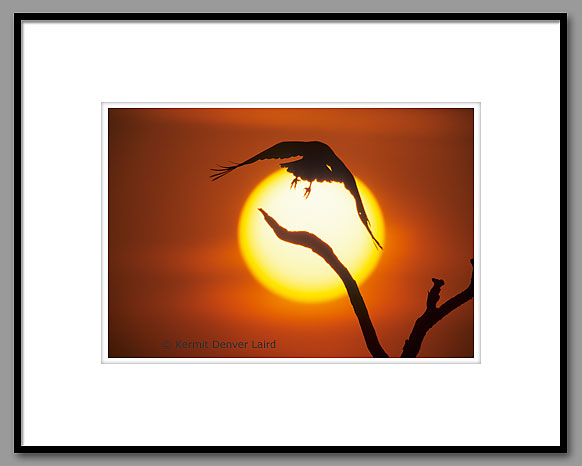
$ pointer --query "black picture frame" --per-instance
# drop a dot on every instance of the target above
(19, 18)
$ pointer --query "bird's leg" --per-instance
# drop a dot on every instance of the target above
(294, 183)
(308, 190)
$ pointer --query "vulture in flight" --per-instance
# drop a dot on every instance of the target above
(317, 163)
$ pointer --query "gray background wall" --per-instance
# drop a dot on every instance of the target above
(7, 7)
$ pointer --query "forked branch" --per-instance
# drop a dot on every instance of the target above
(423, 324)
(433, 314)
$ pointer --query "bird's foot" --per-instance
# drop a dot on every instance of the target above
(294, 183)
(307, 192)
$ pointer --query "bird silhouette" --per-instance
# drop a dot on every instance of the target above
(317, 163)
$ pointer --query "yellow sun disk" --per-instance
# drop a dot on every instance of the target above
(295, 272)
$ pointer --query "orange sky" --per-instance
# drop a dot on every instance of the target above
(175, 270)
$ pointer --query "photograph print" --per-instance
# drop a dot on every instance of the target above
(331, 232)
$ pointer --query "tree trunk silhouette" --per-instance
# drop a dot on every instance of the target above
(423, 324)
(322, 249)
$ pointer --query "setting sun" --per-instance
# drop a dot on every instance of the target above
(295, 272)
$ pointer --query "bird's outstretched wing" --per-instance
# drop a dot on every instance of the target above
(282, 150)
(350, 184)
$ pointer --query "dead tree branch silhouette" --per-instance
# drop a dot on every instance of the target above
(433, 314)
(322, 249)
(423, 324)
